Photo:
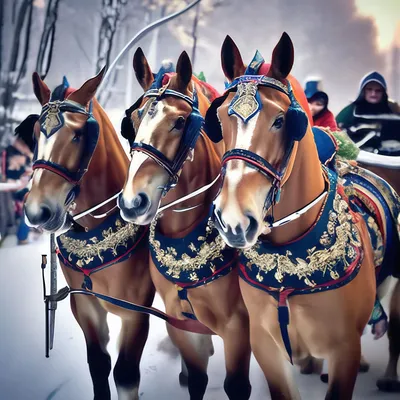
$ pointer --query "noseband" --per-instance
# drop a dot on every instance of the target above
(51, 121)
(190, 135)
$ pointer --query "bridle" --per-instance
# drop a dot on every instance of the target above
(191, 133)
(51, 120)
(245, 104)
(250, 158)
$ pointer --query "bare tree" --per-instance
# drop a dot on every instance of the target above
(187, 33)
(10, 78)
(45, 53)
(110, 20)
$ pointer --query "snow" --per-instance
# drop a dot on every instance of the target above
(27, 375)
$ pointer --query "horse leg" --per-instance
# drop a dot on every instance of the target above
(133, 336)
(195, 351)
(266, 342)
(92, 318)
(343, 364)
(390, 381)
(237, 360)
(273, 363)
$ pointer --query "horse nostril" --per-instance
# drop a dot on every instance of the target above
(221, 221)
(141, 203)
(137, 201)
(251, 230)
(46, 213)
(136, 207)
(120, 201)
(42, 216)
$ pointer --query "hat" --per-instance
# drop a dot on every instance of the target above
(312, 87)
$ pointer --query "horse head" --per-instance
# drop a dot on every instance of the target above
(261, 123)
(66, 136)
(162, 127)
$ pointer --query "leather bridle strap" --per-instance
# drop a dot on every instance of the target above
(187, 143)
(70, 177)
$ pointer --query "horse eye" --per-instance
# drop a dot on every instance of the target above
(180, 123)
(77, 136)
(278, 123)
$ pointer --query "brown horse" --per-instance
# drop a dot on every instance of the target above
(80, 163)
(272, 171)
(187, 252)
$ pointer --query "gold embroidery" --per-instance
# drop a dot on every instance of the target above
(206, 252)
(378, 248)
(86, 250)
(246, 104)
(325, 260)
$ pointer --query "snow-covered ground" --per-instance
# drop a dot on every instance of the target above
(25, 374)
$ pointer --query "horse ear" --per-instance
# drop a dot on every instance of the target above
(41, 90)
(231, 60)
(184, 70)
(87, 91)
(142, 70)
(282, 58)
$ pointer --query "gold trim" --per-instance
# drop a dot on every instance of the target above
(339, 224)
(206, 252)
(86, 250)
(246, 103)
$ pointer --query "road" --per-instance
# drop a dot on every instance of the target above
(25, 374)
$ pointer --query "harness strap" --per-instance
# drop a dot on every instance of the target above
(283, 318)
(189, 325)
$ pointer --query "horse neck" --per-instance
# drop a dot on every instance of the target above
(195, 174)
(107, 171)
(306, 182)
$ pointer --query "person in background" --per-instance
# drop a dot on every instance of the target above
(18, 172)
(318, 103)
(372, 120)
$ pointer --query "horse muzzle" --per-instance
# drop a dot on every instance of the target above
(137, 210)
(240, 236)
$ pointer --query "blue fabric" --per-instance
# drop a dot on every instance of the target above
(59, 92)
(312, 87)
(23, 230)
(158, 78)
(203, 240)
(113, 241)
(326, 146)
(390, 206)
(255, 64)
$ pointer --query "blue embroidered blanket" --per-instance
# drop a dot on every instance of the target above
(113, 241)
(379, 205)
(326, 257)
(194, 260)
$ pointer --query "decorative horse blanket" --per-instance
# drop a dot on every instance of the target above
(113, 241)
(326, 257)
(197, 259)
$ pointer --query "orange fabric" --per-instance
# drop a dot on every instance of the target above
(297, 90)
